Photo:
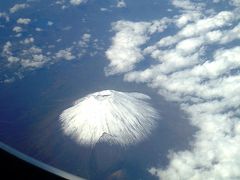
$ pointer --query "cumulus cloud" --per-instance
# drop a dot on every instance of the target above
(125, 51)
(29, 58)
(187, 17)
(23, 21)
(7, 49)
(33, 57)
(50, 23)
(104, 9)
(24, 55)
(121, 4)
(17, 29)
(231, 35)
(5, 16)
(65, 54)
(18, 7)
(201, 26)
(84, 40)
(204, 25)
(77, 2)
(235, 3)
(189, 45)
(36, 61)
(126, 117)
(27, 40)
(193, 68)
(187, 5)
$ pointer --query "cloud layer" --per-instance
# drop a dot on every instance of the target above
(198, 67)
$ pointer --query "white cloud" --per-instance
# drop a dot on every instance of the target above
(65, 54)
(8, 54)
(221, 19)
(27, 40)
(23, 21)
(235, 2)
(187, 5)
(77, 2)
(8, 80)
(33, 57)
(104, 9)
(188, 46)
(36, 61)
(214, 36)
(199, 27)
(231, 35)
(18, 7)
(86, 37)
(30, 58)
(23, 55)
(121, 4)
(50, 23)
(7, 49)
(84, 40)
(38, 29)
(125, 50)
(17, 29)
(187, 17)
(12, 59)
(194, 69)
(5, 16)
(224, 61)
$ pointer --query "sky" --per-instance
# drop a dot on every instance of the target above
(186, 50)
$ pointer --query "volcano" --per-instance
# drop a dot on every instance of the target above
(127, 118)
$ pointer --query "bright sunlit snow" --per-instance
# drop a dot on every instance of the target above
(127, 117)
